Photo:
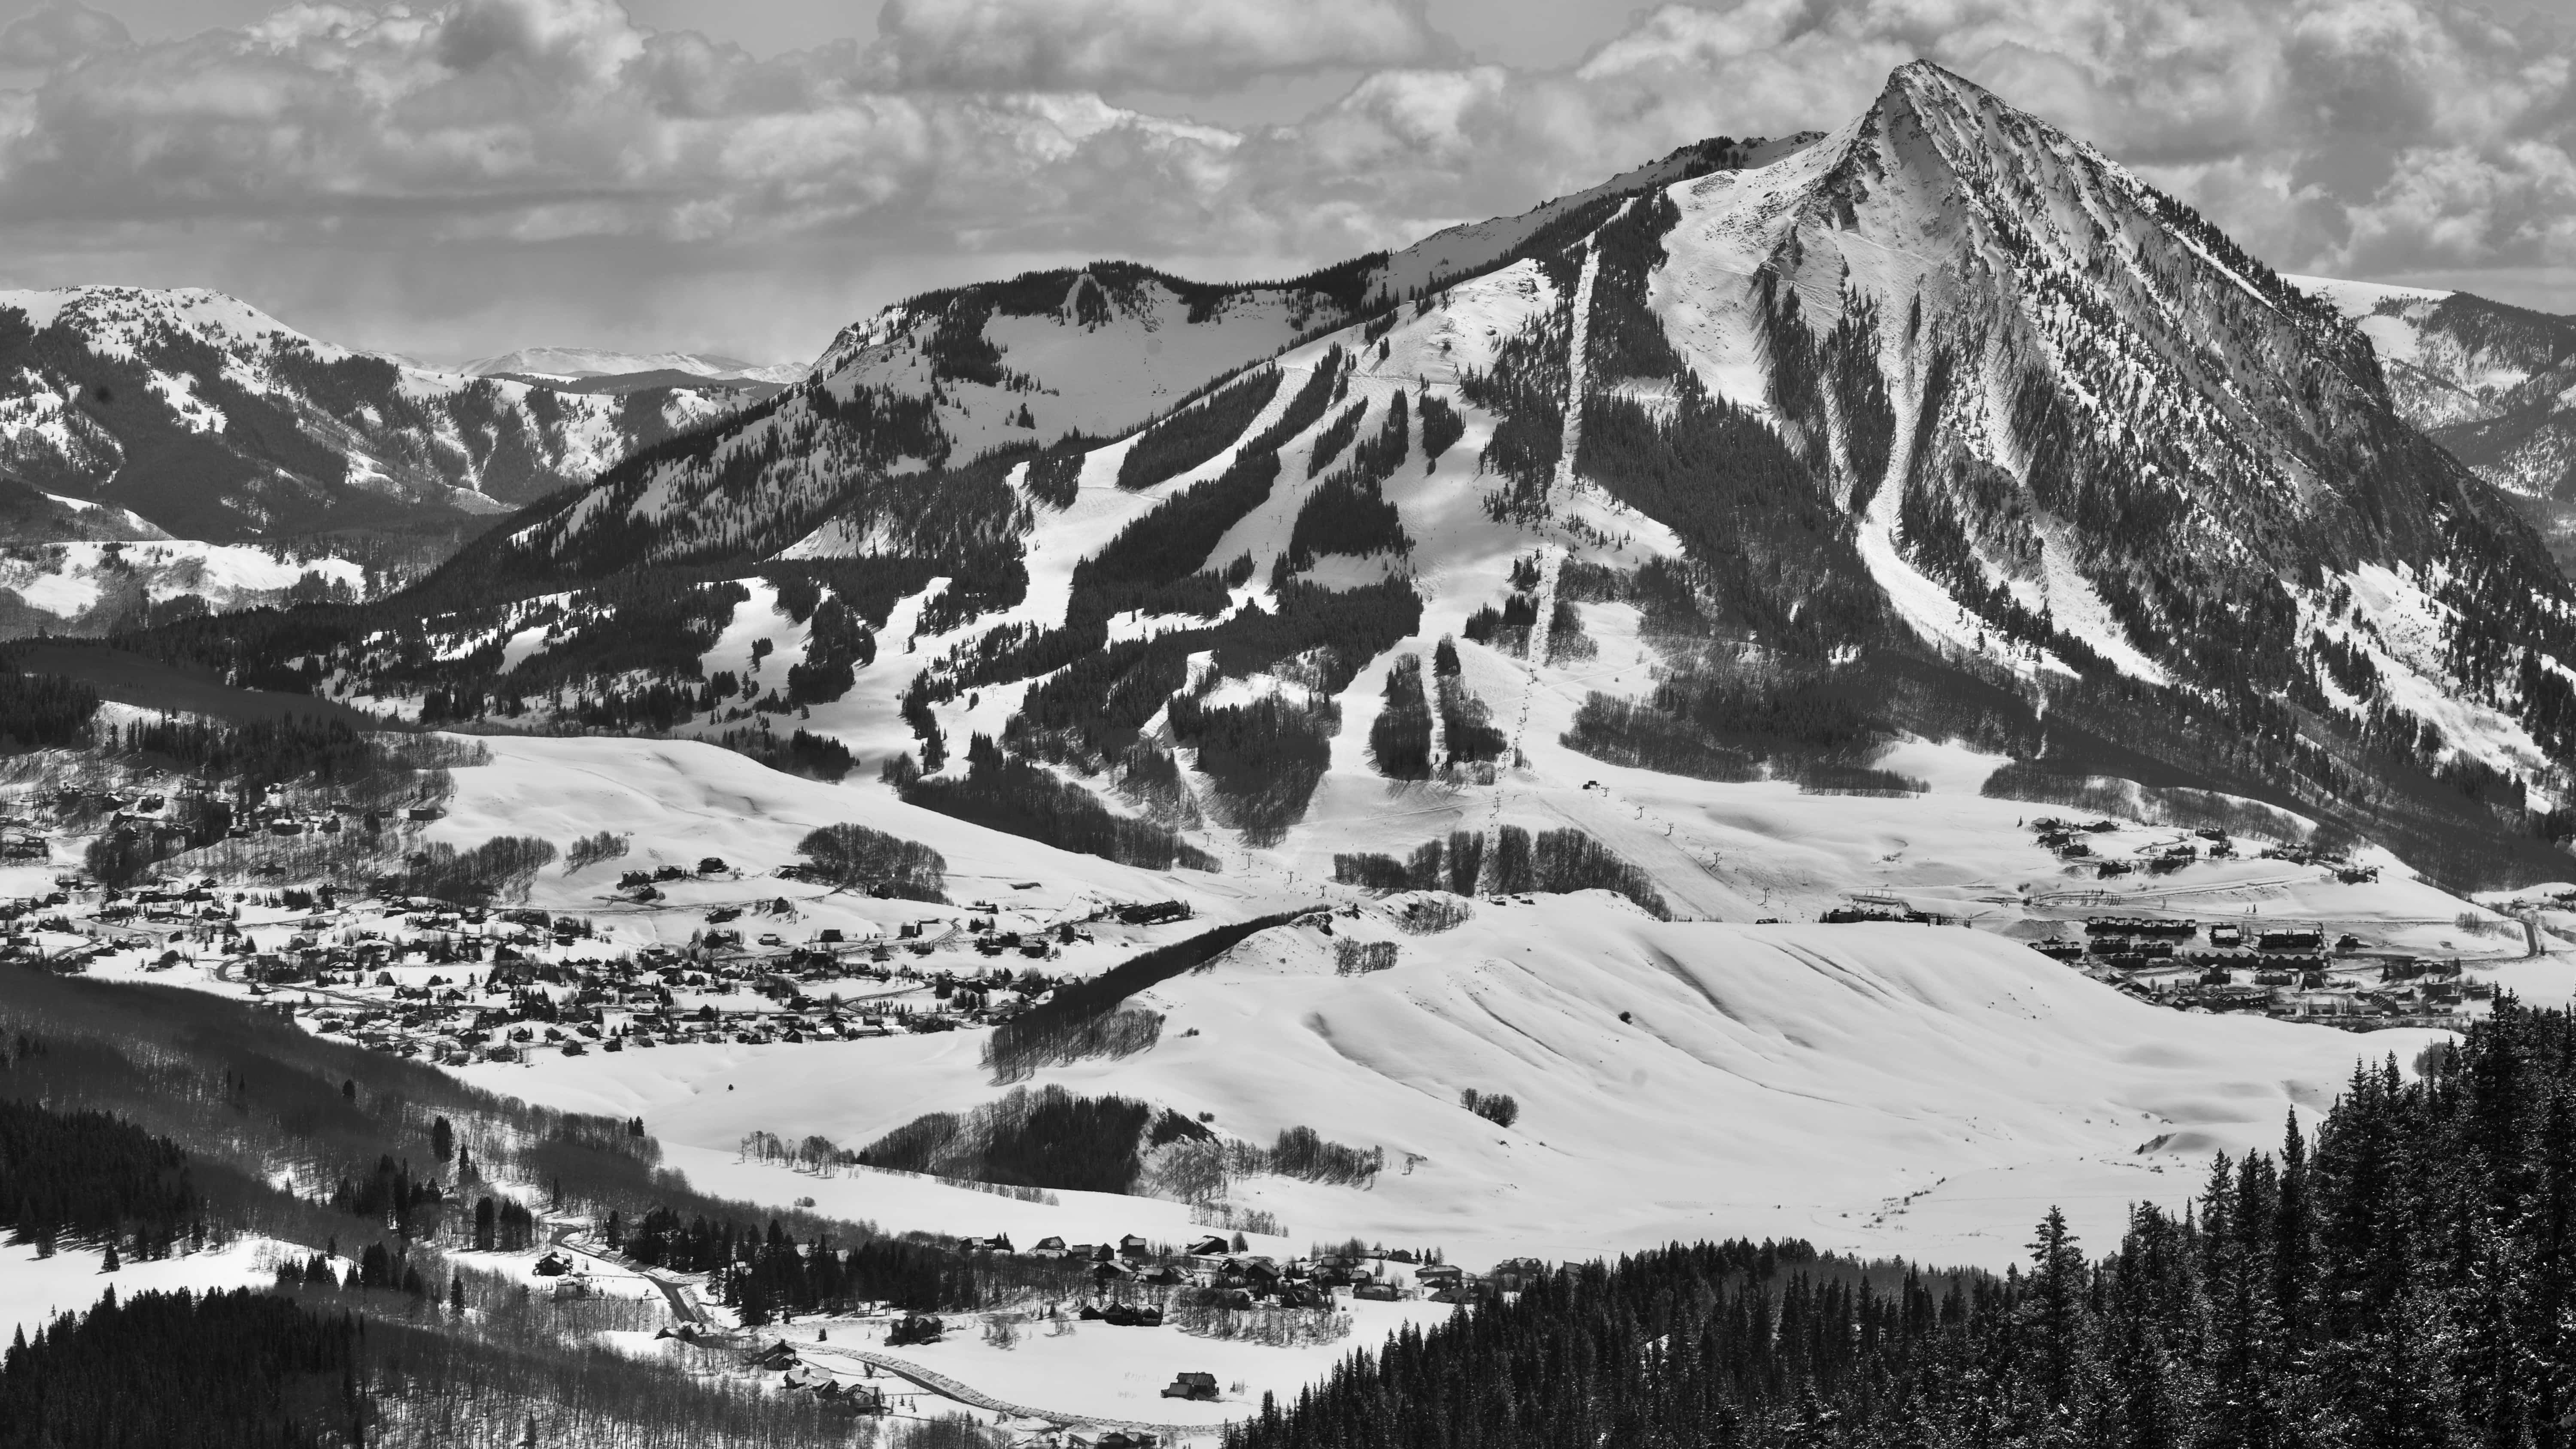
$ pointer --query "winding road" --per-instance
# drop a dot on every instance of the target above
(687, 1309)
(682, 1298)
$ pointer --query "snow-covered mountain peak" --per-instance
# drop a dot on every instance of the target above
(1945, 383)
(124, 315)
(574, 363)
(212, 419)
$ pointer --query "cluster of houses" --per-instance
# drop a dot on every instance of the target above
(174, 821)
(2074, 842)
(1231, 1277)
(424, 979)
(2291, 970)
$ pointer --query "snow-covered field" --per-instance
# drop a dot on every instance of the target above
(1900, 1089)
(1118, 1373)
(34, 1290)
(72, 580)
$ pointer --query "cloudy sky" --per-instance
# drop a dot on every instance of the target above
(452, 179)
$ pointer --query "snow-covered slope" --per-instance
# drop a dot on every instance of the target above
(2052, 391)
(214, 420)
(1897, 1089)
(944, 377)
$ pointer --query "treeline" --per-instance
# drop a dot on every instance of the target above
(1020, 798)
(91, 1176)
(1400, 739)
(1553, 861)
(1198, 432)
(1525, 390)
(837, 645)
(260, 753)
(1263, 759)
(499, 868)
(257, 1094)
(300, 1371)
(1451, 865)
(1466, 724)
(234, 1368)
(1154, 563)
(1050, 1138)
(1822, 726)
(1090, 712)
(1777, 557)
(857, 857)
(763, 1273)
(1348, 512)
(2404, 1279)
(1050, 1031)
(44, 711)
(620, 653)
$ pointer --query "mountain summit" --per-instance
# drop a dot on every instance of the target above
(2055, 395)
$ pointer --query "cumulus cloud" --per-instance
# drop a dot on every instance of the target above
(556, 152)
(58, 33)
(1165, 45)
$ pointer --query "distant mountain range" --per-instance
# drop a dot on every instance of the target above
(1942, 425)
(208, 419)
(2495, 384)
(574, 364)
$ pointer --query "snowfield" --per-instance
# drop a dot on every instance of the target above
(34, 1290)
(1881, 1088)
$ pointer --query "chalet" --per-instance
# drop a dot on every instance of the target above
(2292, 938)
(1133, 1247)
(1048, 1247)
(1188, 1385)
(1209, 1247)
